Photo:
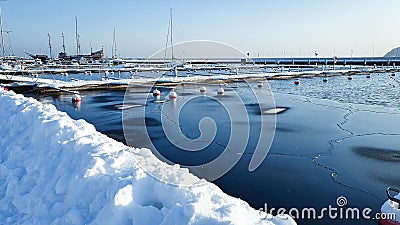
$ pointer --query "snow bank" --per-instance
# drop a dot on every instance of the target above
(55, 170)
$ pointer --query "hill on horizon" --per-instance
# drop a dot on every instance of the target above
(393, 53)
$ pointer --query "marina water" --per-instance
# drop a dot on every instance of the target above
(335, 138)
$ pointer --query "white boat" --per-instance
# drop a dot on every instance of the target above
(390, 210)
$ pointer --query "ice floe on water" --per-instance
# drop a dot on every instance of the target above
(56, 170)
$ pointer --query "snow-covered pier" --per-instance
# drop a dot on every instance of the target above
(34, 81)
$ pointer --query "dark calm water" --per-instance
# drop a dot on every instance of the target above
(338, 138)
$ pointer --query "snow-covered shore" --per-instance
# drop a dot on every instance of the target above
(56, 170)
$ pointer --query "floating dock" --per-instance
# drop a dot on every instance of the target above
(217, 71)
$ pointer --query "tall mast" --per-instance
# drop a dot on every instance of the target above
(2, 34)
(114, 47)
(51, 55)
(63, 46)
(172, 46)
(78, 46)
(169, 38)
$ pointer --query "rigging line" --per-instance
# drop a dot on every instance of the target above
(172, 45)
(2, 33)
(166, 43)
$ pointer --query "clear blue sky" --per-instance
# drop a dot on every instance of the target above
(265, 27)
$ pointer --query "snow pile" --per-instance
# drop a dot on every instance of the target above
(55, 170)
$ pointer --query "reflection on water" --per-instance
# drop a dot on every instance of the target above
(386, 155)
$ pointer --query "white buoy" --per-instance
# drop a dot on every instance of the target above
(76, 98)
(325, 79)
(260, 85)
(156, 93)
(173, 96)
(368, 76)
(393, 74)
(77, 105)
(203, 89)
(297, 82)
(220, 91)
(349, 78)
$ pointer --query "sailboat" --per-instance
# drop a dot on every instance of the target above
(173, 65)
(115, 59)
(4, 64)
(97, 55)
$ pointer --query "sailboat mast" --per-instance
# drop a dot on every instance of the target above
(78, 47)
(172, 46)
(63, 46)
(2, 34)
(51, 55)
(114, 47)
